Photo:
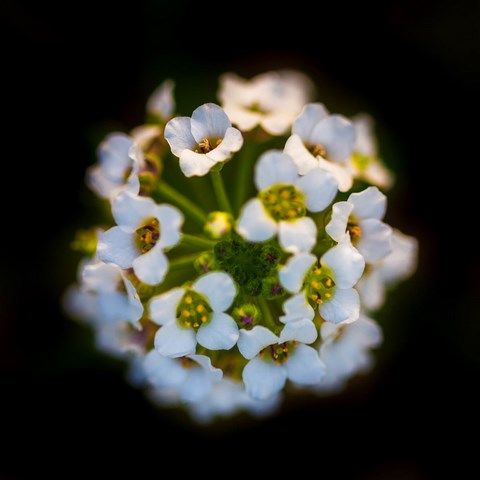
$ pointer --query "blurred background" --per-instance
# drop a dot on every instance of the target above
(78, 70)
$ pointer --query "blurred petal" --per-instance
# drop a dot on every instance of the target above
(370, 203)
(130, 210)
(163, 371)
(376, 240)
(304, 366)
(297, 308)
(263, 379)
(161, 101)
(319, 187)
(337, 135)
(341, 173)
(302, 158)
(312, 113)
(171, 220)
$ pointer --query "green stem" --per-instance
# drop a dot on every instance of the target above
(196, 241)
(220, 192)
(244, 174)
(267, 314)
(188, 207)
(183, 261)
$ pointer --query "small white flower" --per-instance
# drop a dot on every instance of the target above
(147, 137)
(322, 140)
(327, 284)
(161, 102)
(345, 350)
(282, 203)
(271, 100)
(195, 314)
(193, 376)
(396, 266)
(266, 373)
(364, 162)
(361, 216)
(119, 162)
(203, 140)
(145, 229)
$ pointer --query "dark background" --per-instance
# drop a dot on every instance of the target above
(77, 70)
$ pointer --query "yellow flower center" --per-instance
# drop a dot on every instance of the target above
(207, 145)
(283, 202)
(148, 235)
(354, 229)
(193, 311)
(319, 285)
(318, 150)
(278, 352)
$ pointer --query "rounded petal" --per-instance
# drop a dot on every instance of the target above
(292, 274)
(218, 288)
(232, 142)
(113, 155)
(371, 290)
(117, 246)
(304, 366)
(343, 307)
(220, 333)
(370, 203)
(342, 173)
(163, 308)
(209, 121)
(297, 308)
(171, 340)
(171, 220)
(303, 331)
(337, 226)
(135, 307)
(254, 223)
(346, 262)
(151, 267)
(263, 379)
(319, 187)
(337, 135)
(161, 101)
(376, 240)
(274, 167)
(365, 142)
(244, 119)
(302, 158)
(196, 386)
(251, 342)
(100, 277)
(195, 164)
(214, 373)
(312, 113)
(163, 371)
(179, 136)
(277, 123)
(297, 235)
(130, 210)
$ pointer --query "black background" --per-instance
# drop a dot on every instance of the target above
(77, 70)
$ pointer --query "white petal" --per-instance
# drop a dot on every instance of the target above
(130, 210)
(112, 307)
(209, 121)
(341, 172)
(370, 203)
(232, 142)
(214, 373)
(303, 331)
(100, 183)
(195, 164)
(117, 246)
(161, 101)
(244, 119)
(365, 142)
(251, 342)
(174, 341)
(302, 158)
(113, 155)
(371, 290)
(163, 308)
(274, 167)
(163, 371)
(378, 174)
(196, 386)
(220, 333)
(298, 235)
(343, 307)
(292, 274)
(218, 288)
(170, 219)
(337, 135)
(319, 187)
(263, 379)
(151, 267)
(304, 366)
(337, 226)
(254, 223)
(100, 277)
(297, 308)
(277, 123)
(376, 240)
(312, 113)
(346, 262)
(135, 307)
(179, 136)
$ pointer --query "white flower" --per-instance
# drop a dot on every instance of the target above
(266, 373)
(282, 203)
(345, 350)
(147, 137)
(361, 216)
(161, 102)
(193, 376)
(271, 100)
(322, 140)
(203, 140)
(364, 162)
(119, 162)
(144, 231)
(195, 314)
(328, 284)
(396, 266)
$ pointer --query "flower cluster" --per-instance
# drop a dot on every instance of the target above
(222, 292)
